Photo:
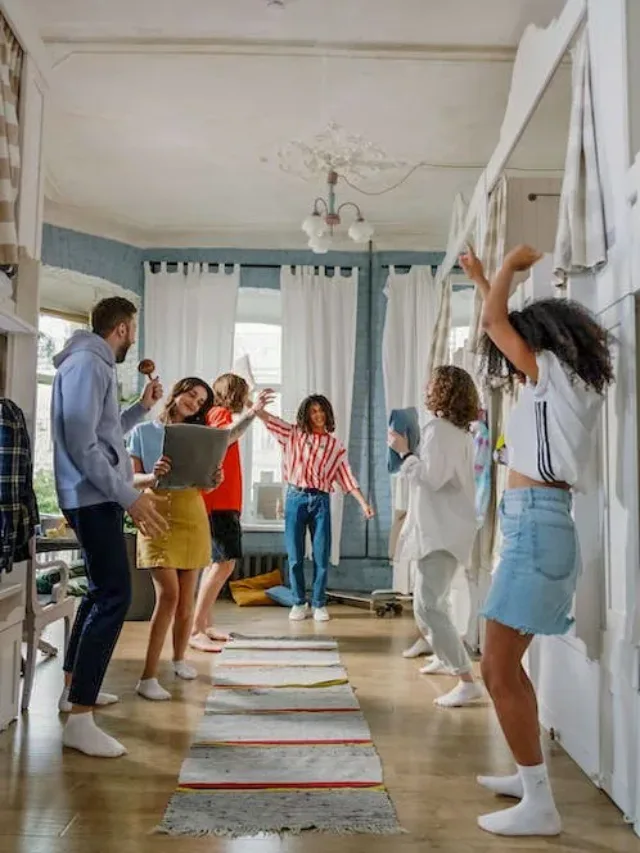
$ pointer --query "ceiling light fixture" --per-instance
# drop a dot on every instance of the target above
(325, 216)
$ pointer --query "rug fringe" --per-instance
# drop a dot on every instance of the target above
(253, 831)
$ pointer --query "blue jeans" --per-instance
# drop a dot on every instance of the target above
(99, 620)
(308, 509)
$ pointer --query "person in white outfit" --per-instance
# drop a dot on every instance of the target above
(441, 520)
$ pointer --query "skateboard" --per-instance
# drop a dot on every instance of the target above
(381, 602)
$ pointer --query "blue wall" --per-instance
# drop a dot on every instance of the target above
(364, 546)
(108, 259)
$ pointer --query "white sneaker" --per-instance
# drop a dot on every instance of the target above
(299, 612)
(436, 667)
(321, 614)
(420, 648)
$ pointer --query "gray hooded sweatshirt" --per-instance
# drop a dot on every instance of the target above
(91, 463)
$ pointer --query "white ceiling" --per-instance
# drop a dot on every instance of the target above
(167, 118)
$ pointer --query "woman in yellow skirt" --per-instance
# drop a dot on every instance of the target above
(176, 557)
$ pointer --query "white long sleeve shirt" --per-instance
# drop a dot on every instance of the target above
(441, 514)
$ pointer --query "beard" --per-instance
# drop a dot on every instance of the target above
(121, 352)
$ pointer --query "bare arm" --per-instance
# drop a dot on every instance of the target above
(141, 480)
(240, 427)
(495, 312)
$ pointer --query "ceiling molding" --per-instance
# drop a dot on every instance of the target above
(64, 46)
(389, 237)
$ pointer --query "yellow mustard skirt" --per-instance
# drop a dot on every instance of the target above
(187, 542)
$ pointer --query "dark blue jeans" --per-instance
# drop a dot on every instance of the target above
(308, 509)
(101, 614)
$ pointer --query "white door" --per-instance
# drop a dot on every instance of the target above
(619, 661)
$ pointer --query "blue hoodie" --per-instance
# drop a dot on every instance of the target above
(91, 463)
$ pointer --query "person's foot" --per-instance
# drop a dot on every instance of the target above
(321, 614)
(503, 786)
(419, 649)
(203, 643)
(435, 667)
(217, 636)
(299, 612)
(150, 688)
(525, 819)
(464, 693)
(183, 670)
(82, 733)
(103, 699)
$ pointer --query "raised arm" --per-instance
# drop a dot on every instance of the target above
(495, 311)
(279, 429)
(243, 423)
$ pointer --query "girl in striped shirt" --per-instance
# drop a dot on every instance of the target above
(314, 462)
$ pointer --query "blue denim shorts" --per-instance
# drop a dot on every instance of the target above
(532, 589)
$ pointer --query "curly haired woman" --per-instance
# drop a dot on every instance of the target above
(561, 356)
(441, 520)
(314, 462)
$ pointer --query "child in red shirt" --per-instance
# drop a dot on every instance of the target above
(224, 505)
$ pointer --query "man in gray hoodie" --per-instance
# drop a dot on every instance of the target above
(94, 481)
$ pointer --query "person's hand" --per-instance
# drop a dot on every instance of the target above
(368, 511)
(217, 478)
(522, 258)
(471, 265)
(151, 394)
(398, 442)
(146, 516)
(264, 398)
(162, 467)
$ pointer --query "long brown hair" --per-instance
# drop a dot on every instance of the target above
(182, 387)
(231, 392)
(304, 413)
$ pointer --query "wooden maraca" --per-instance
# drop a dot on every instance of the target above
(147, 368)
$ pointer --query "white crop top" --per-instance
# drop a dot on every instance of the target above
(551, 427)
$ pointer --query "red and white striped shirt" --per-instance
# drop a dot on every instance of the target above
(312, 460)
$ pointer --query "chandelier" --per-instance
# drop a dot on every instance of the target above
(325, 216)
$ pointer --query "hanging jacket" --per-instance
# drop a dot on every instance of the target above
(482, 469)
(18, 506)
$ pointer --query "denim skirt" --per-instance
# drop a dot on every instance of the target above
(533, 587)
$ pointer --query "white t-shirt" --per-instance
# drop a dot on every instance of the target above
(441, 514)
(551, 427)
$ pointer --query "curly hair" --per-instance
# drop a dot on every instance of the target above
(183, 386)
(231, 392)
(452, 395)
(303, 418)
(563, 327)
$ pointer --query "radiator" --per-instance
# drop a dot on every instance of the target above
(252, 565)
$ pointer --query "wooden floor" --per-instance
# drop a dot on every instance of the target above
(52, 801)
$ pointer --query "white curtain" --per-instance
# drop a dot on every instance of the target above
(581, 243)
(318, 352)
(412, 310)
(413, 307)
(189, 320)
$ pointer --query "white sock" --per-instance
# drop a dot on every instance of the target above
(183, 670)
(82, 733)
(419, 648)
(435, 667)
(503, 786)
(150, 688)
(464, 693)
(535, 815)
(64, 706)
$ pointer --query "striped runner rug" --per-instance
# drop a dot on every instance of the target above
(283, 747)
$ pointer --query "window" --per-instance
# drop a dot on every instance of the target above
(458, 338)
(53, 331)
(258, 335)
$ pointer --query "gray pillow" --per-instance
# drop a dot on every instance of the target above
(195, 453)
